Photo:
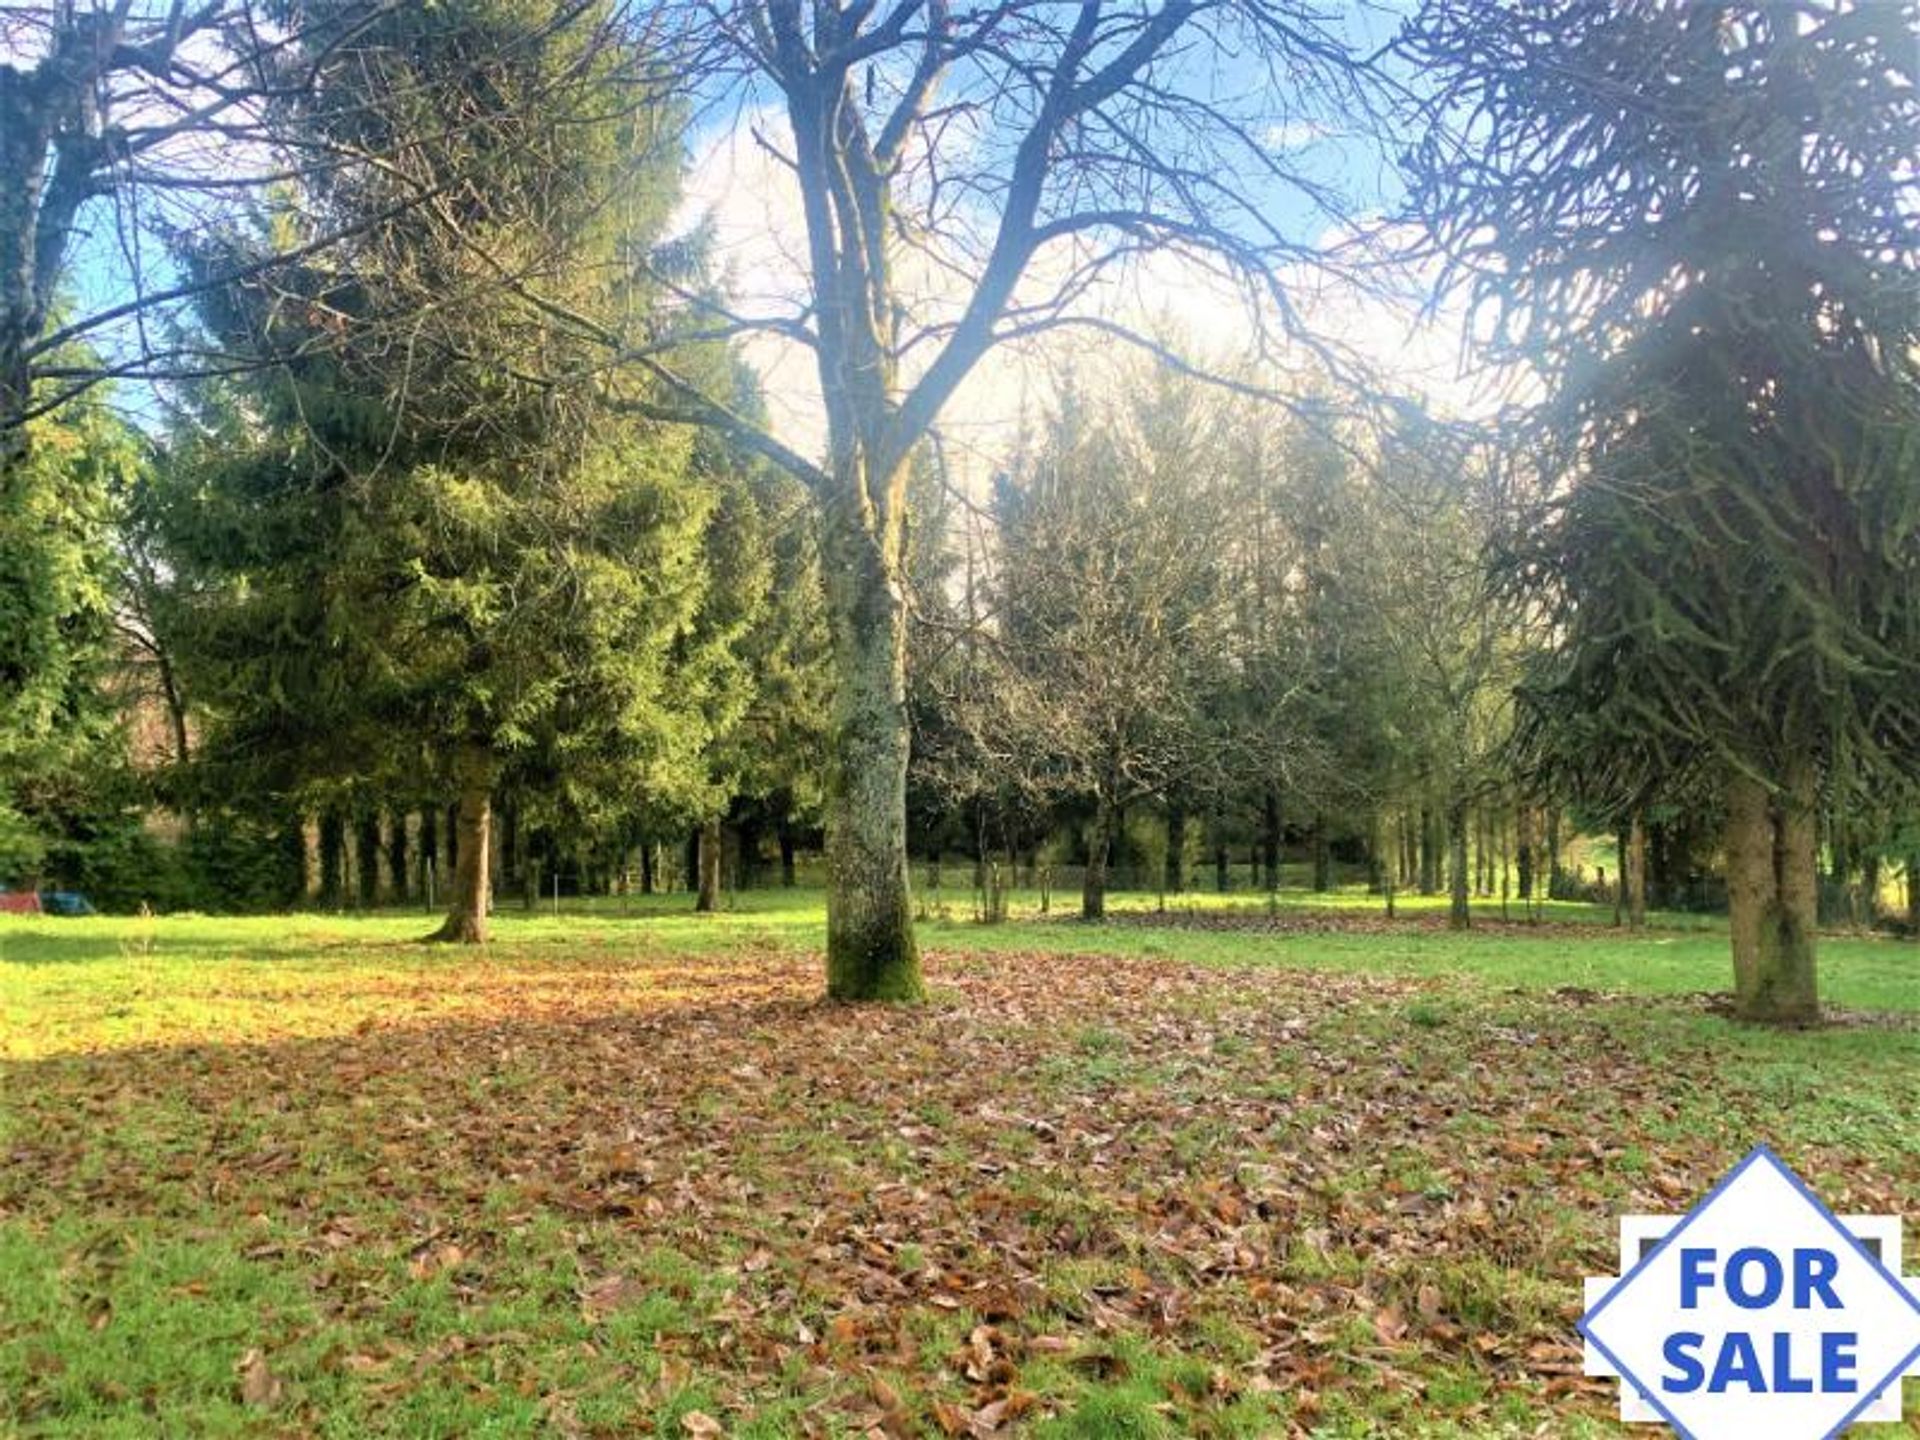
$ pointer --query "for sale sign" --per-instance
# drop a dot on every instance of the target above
(1758, 1314)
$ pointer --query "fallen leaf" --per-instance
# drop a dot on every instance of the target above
(605, 1297)
(259, 1386)
(1389, 1324)
(987, 1419)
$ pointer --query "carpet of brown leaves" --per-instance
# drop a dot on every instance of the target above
(1341, 1196)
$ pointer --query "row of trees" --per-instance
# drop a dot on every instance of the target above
(1088, 155)
(1171, 609)
(464, 489)
(1176, 602)
(396, 547)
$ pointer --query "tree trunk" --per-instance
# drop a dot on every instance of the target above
(1322, 856)
(1222, 868)
(366, 859)
(1176, 866)
(746, 835)
(509, 850)
(430, 848)
(397, 855)
(1460, 910)
(1270, 831)
(786, 855)
(1430, 853)
(1499, 852)
(293, 842)
(500, 811)
(1093, 889)
(1482, 853)
(471, 842)
(16, 390)
(871, 952)
(708, 849)
(1633, 872)
(333, 857)
(1523, 853)
(1621, 844)
(1555, 876)
(1772, 900)
(302, 828)
(176, 706)
(1795, 990)
(646, 867)
(1913, 896)
(981, 854)
(27, 101)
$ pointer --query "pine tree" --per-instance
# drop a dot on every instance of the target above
(1697, 222)
(62, 757)
(421, 557)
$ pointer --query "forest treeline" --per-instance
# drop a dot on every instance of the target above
(428, 526)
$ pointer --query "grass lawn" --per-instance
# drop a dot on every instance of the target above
(1230, 1172)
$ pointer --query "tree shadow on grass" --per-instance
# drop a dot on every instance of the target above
(23, 945)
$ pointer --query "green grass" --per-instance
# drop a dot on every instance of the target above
(300, 1175)
(1680, 954)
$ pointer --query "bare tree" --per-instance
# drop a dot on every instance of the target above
(1112, 605)
(1020, 150)
(105, 102)
(1445, 637)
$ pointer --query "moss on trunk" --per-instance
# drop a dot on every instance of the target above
(1093, 886)
(1772, 896)
(707, 896)
(468, 896)
(871, 951)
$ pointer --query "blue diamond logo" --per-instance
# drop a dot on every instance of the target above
(1759, 1313)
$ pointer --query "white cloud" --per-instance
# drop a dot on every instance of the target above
(1292, 135)
(750, 199)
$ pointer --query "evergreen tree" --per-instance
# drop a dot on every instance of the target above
(423, 559)
(63, 773)
(1698, 222)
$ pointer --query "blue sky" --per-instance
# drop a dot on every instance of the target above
(1331, 149)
